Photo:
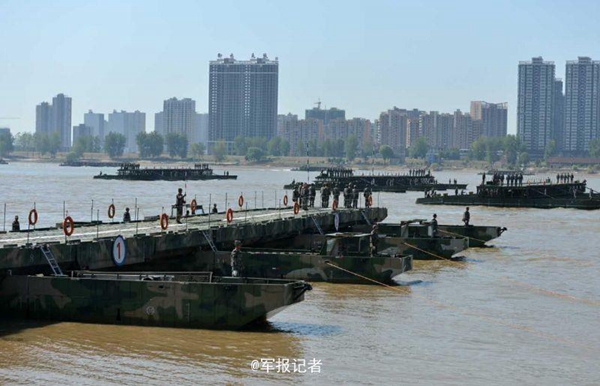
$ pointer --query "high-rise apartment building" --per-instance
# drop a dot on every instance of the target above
(55, 118)
(127, 124)
(242, 98)
(179, 117)
(82, 130)
(393, 125)
(324, 115)
(582, 104)
(298, 132)
(559, 115)
(494, 117)
(43, 118)
(535, 112)
(96, 122)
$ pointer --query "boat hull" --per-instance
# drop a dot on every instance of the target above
(229, 303)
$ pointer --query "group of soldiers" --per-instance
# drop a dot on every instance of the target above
(512, 179)
(304, 194)
(419, 172)
(564, 177)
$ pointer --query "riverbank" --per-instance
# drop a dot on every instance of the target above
(298, 162)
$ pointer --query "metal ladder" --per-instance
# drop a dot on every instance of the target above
(317, 225)
(365, 217)
(51, 261)
(210, 241)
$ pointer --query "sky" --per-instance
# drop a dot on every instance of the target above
(361, 56)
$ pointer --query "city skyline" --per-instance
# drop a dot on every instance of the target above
(353, 69)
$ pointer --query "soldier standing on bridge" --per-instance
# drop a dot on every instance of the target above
(347, 196)
(179, 203)
(236, 259)
(355, 194)
(325, 193)
(466, 217)
(434, 225)
(16, 227)
(374, 239)
(312, 193)
(367, 194)
(126, 215)
(336, 194)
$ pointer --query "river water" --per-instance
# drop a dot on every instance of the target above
(523, 312)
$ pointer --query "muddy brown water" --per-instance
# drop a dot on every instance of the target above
(523, 312)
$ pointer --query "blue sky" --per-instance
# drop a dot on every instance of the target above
(362, 56)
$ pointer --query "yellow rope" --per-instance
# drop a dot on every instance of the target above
(470, 313)
(427, 252)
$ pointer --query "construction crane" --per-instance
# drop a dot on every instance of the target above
(318, 103)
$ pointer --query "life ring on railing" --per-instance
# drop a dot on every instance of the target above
(229, 215)
(241, 201)
(68, 226)
(334, 206)
(193, 205)
(370, 201)
(164, 221)
(111, 211)
(285, 200)
(296, 208)
(33, 217)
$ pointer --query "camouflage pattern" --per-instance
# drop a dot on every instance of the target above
(84, 251)
(311, 266)
(582, 201)
(393, 243)
(192, 300)
(477, 235)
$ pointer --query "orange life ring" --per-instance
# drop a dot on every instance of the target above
(285, 200)
(229, 215)
(370, 201)
(193, 205)
(68, 226)
(241, 201)
(334, 206)
(296, 208)
(164, 221)
(111, 211)
(33, 217)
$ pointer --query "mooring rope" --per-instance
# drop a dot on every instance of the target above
(463, 236)
(427, 252)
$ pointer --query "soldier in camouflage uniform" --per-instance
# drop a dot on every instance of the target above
(236, 259)
(355, 194)
(325, 193)
(336, 194)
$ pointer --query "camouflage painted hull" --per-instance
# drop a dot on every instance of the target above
(423, 248)
(582, 202)
(316, 267)
(478, 234)
(185, 300)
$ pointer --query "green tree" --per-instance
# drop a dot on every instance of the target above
(284, 148)
(367, 149)
(478, 149)
(6, 144)
(240, 145)
(150, 145)
(84, 144)
(550, 149)
(177, 145)
(53, 144)
(419, 148)
(255, 154)
(25, 142)
(197, 150)
(594, 146)
(274, 146)
(41, 143)
(220, 151)
(72, 157)
(114, 144)
(386, 152)
(350, 147)
(523, 158)
(511, 149)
